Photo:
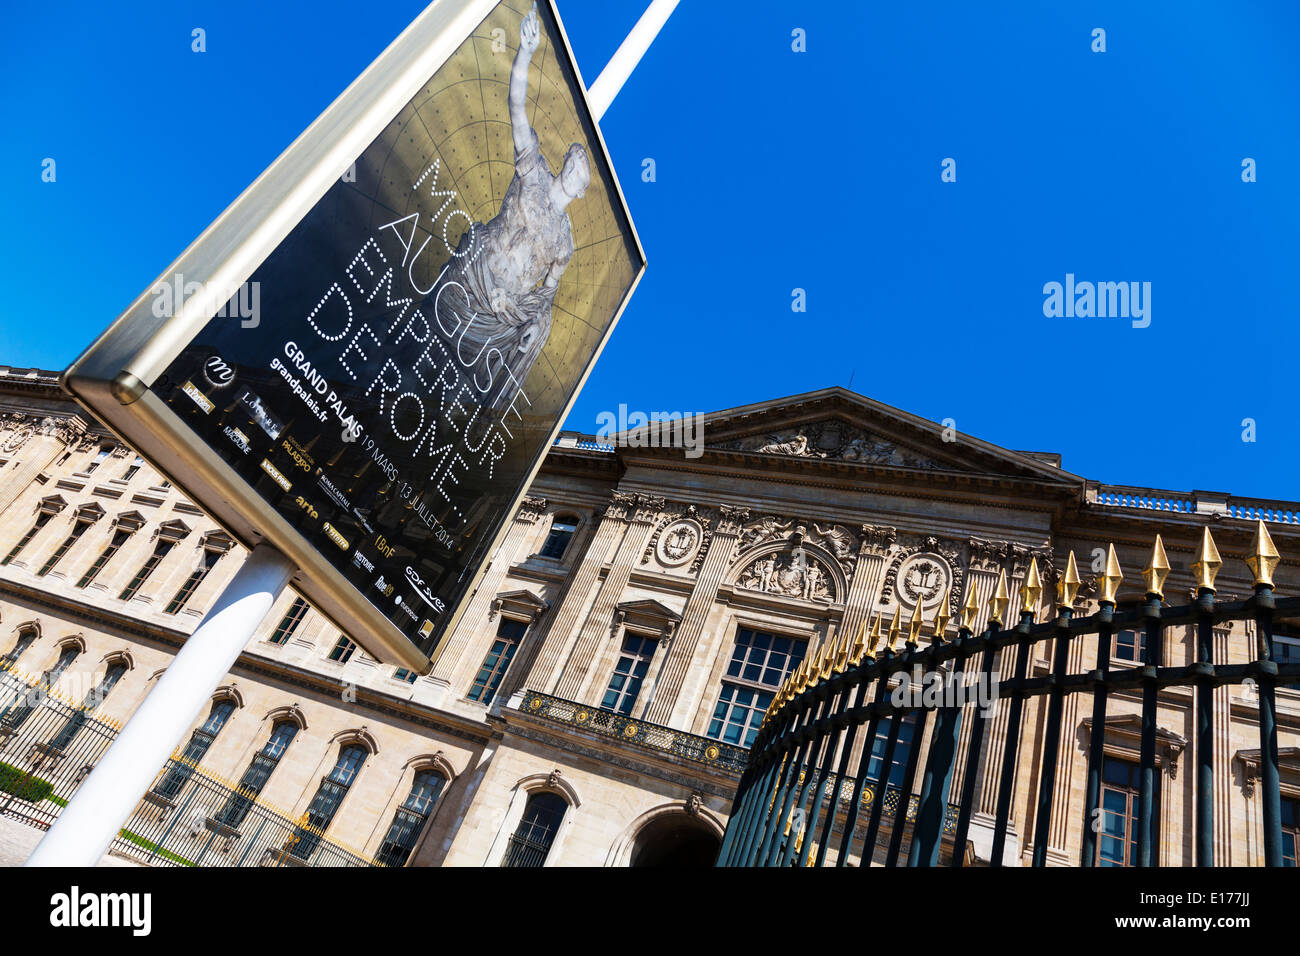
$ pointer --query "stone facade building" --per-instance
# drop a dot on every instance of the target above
(593, 705)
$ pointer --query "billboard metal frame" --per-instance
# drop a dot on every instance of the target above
(112, 379)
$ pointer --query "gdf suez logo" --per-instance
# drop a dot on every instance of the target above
(218, 372)
(422, 589)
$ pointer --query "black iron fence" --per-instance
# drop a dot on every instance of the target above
(834, 728)
(48, 745)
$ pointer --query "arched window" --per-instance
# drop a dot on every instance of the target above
(410, 817)
(25, 638)
(557, 542)
(532, 839)
(15, 717)
(94, 699)
(329, 795)
(195, 750)
(258, 773)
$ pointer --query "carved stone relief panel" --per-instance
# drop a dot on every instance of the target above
(792, 574)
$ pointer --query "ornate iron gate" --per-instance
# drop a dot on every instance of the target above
(800, 802)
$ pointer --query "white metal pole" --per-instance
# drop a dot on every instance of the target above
(628, 55)
(95, 814)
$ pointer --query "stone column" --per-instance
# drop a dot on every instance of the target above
(542, 673)
(1224, 854)
(36, 443)
(1067, 751)
(703, 596)
(981, 574)
(867, 576)
(530, 509)
(995, 735)
(599, 623)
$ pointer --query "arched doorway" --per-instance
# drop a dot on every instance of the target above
(675, 840)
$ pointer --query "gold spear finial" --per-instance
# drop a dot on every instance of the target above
(1001, 598)
(1032, 590)
(971, 609)
(841, 653)
(814, 667)
(1067, 585)
(895, 629)
(942, 614)
(916, 623)
(799, 680)
(875, 637)
(1157, 570)
(826, 660)
(1207, 563)
(1111, 577)
(1263, 557)
(859, 644)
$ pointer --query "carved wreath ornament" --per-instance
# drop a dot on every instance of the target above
(678, 543)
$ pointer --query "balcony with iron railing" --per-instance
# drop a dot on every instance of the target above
(635, 733)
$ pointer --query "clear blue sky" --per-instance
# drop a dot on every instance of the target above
(778, 170)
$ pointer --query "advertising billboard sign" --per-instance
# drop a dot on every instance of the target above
(365, 358)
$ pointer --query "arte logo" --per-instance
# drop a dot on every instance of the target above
(75, 909)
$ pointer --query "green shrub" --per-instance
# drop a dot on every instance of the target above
(31, 789)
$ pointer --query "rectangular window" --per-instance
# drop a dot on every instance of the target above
(509, 633)
(342, 650)
(77, 531)
(41, 520)
(629, 672)
(1286, 650)
(1120, 788)
(133, 469)
(98, 460)
(1129, 646)
(557, 541)
(404, 675)
(289, 623)
(760, 662)
(159, 552)
(119, 539)
(898, 765)
(210, 558)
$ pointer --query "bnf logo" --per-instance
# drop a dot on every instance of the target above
(218, 372)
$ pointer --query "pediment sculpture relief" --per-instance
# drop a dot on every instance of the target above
(835, 441)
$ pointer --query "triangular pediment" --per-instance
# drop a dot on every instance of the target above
(841, 427)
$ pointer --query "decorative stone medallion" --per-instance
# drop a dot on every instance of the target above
(923, 578)
(679, 543)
